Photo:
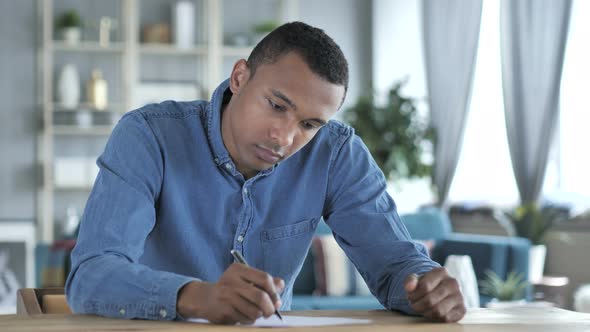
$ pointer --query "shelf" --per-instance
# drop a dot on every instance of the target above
(75, 130)
(131, 67)
(73, 188)
(239, 51)
(88, 46)
(111, 108)
(169, 49)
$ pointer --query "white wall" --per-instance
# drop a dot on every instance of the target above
(348, 22)
(398, 54)
(398, 50)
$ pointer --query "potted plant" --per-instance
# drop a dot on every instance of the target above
(507, 292)
(396, 135)
(261, 29)
(532, 222)
(69, 24)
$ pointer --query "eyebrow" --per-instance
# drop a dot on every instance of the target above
(286, 99)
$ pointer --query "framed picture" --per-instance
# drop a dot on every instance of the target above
(17, 262)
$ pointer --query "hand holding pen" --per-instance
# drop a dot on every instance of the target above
(241, 295)
(240, 259)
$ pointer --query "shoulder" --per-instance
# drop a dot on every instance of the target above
(342, 140)
(348, 153)
(335, 134)
(151, 120)
(171, 109)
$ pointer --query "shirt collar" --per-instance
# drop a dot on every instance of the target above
(220, 153)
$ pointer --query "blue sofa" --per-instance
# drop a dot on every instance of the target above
(500, 254)
(497, 253)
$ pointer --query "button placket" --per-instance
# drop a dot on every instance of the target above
(243, 224)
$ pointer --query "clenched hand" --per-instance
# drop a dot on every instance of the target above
(436, 295)
(242, 295)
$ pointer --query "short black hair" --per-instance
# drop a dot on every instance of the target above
(319, 51)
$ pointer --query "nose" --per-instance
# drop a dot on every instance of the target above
(282, 134)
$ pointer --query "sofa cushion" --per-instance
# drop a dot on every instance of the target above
(427, 224)
(335, 273)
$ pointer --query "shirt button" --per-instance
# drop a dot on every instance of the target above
(241, 238)
(245, 191)
(228, 167)
(122, 312)
(163, 313)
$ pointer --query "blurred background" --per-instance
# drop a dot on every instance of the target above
(490, 97)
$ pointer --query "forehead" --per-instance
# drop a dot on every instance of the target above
(291, 76)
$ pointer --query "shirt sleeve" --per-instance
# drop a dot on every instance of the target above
(366, 225)
(106, 278)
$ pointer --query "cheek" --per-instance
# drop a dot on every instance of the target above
(299, 142)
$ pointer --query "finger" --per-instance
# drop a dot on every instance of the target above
(279, 284)
(239, 317)
(440, 311)
(247, 308)
(257, 298)
(456, 314)
(263, 281)
(433, 298)
(411, 283)
(229, 316)
(427, 283)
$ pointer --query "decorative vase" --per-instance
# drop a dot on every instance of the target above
(96, 91)
(71, 35)
(537, 255)
(460, 267)
(68, 87)
(184, 24)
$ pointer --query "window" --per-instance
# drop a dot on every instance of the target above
(484, 172)
(570, 165)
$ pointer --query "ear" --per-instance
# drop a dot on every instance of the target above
(239, 76)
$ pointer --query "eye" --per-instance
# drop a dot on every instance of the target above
(309, 125)
(275, 106)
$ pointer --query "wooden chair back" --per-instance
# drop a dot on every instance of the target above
(36, 301)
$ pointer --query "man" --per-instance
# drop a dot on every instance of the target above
(254, 170)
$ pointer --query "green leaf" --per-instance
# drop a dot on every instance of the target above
(504, 290)
(395, 134)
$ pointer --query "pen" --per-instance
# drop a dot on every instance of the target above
(242, 260)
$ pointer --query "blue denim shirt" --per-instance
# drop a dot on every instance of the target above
(168, 206)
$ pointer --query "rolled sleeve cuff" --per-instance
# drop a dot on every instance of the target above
(165, 295)
(402, 303)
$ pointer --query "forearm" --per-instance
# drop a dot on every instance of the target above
(110, 285)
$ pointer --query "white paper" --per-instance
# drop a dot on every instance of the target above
(292, 321)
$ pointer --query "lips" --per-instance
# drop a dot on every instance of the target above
(267, 155)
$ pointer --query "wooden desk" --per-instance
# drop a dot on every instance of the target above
(529, 319)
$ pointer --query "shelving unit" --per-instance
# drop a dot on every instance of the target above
(85, 46)
(205, 65)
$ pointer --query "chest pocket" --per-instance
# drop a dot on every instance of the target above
(285, 248)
